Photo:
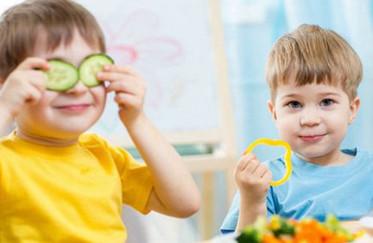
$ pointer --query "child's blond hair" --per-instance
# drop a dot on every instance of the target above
(21, 25)
(311, 54)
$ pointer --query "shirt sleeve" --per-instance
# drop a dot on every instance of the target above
(136, 179)
(231, 219)
(271, 208)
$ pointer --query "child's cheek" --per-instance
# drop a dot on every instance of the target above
(47, 97)
(99, 95)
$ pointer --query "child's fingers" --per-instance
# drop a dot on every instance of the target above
(118, 87)
(34, 63)
(124, 86)
(125, 100)
(25, 78)
(122, 82)
(252, 166)
(244, 161)
(34, 96)
(249, 156)
(113, 76)
(261, 170)
(37, 79)
(267, 177)
(120, 69)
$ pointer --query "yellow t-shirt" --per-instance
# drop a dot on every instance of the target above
(69, 194)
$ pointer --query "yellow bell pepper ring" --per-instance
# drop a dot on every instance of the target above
(273, 142)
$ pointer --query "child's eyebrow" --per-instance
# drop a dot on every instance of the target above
(289, 96)
(292, 95)
(57, 58)
(330, 94)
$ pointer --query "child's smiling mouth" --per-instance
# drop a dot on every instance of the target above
(74, 108)
(312, 138)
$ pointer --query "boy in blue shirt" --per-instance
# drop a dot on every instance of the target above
(313, 75)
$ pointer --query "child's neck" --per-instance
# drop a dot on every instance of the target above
(338, 158)
(47, 141)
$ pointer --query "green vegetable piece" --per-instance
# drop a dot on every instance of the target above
(90, 66)
(261, 226)
(332, 223)
(284, 229)
(249, 235)
(61, 75)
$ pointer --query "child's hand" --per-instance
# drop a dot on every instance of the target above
(252, 178)
(24, 85)
(129, 90)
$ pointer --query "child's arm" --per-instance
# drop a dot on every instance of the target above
(175, 192)
(24, 86)
(253, 180)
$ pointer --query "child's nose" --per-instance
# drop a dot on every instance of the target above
(78, 88)
(310, 117)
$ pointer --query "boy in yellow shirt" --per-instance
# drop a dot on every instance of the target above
(58, 184)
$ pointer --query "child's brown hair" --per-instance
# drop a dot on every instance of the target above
(21, 25)
(313, 54)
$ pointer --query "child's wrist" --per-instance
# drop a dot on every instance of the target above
(252, 199)
(134, 121)
(254, 208)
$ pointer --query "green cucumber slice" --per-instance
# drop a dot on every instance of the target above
(90, 66)
(61, 75)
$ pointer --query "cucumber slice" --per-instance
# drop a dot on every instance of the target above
(90, 66)
(61, 75)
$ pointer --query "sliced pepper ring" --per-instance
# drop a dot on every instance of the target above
(287, 157)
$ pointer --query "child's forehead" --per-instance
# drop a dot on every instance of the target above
(297, 80)
(73, 50)
(293, 89)
(309, 86)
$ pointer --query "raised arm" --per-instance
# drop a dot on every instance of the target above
(253, 180)
(24, 86)
(175, 192)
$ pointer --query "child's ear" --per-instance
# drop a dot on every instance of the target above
(271, 109)
(354, 107)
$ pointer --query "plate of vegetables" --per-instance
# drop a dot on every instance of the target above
(280, 230)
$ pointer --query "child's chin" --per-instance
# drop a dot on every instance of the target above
(73, 130)
(77, 125)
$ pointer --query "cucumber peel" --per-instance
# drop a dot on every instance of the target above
(63, 76)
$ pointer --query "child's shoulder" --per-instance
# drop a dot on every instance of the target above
(359, 155)
(5, 141)
(92, 139)
(362, 156)
(9, 147)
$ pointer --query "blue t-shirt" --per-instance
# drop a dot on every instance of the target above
(314, 191)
